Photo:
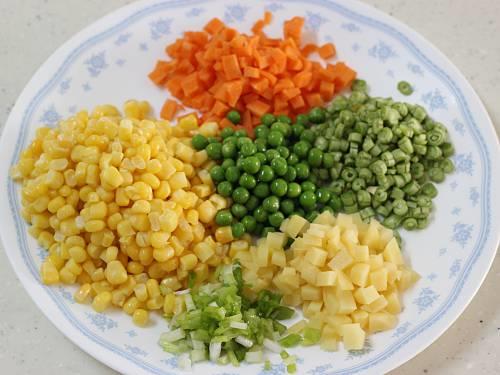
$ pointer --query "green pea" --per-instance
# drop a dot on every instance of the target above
(307, 199)
(271, 154)
(281, 127)
(240, 195)
(323, 195)
(268, 119)
(302, 171)
(271, 204)
(284, 151)
(227, 163)
(291, 174)
(247, 181)
(242, 141)
(199, 142)
(213, 140)
(261, 132)
(248, 149)
(297, 130)
(308, 186)
(276, 219)
(228, 150)
(234, 116)
(214, 151)
(315, 157)
(287, 206)
(316, 115)
(232, 174)
(252, 203)
(275, 138)
(294, 190)
(261, 190)
(223, 218)
(226, 132)
(279, 165)
(217, 173)
(302, 119)
(279, 187)
(238, 230)
(238, 210)
(225, 189)
(335, 203)
(260, 144)
(266, 174)
(292, 159)
(240, 133)
(251, 165)
(284, 118)
(249, 222)
(308, 135)
(260, 214)
(301, 149)
(261, 156)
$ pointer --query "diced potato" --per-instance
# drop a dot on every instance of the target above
(296, 225)
(376, 261)
(278, 258)
(326, 278)
(329, 338)
(262, 256)
(408, 278)
(379, 304)
(347, 304)
(341, 260)
(393, 303)
(343, 281)
(378, 279)
(292, 281)
(344, 221)
(361, 317)
(381, 321)
(312, 240)
(350, 238)
(361, 253)
(372, 235)
(309, 273)
(330, 300)
(359, 274)
(316, 257)
(313, 308)
(353, 336)
(326, 218)
(276, 240)
(366, 295)
(392, 253)
(392, 272)
(310, 293)
(336, 321)
(333, 243)
(386, 235)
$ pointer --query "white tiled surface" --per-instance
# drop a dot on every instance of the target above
(466, 31)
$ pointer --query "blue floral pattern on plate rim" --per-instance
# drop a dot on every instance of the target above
(96, 64)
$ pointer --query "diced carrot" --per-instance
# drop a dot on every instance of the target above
(258, 107)
(290, 93)
(169, 109)
(343, 75)
(270, 77)
(219, 108)
(214, 26)
(234, 90)
(308, 49)
(251, 72)
(225, 123)
(326, 89)
(327, 50)
(302, 79)
(284, 83)
(260, 85)
(231, 67)
(190, 84)
(159, 73)
(314, 99)
(297, 102)
(293, 29)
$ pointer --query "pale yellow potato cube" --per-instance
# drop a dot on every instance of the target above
(359, 274)
(341, 260)
(330, 300)
(296, 225)
(333, 243)
(392, 253)
(386, 235)
(278, 283)
(266, 273)
(325, 218)
(371, 236)
(379, 304)
(347, 304)
(378, 279)
(262, 256)
(310, 293)
(293, 299)
(381, 321)
(316, 257)
(336, 321)
(361, 317)
(366, 295)
(344, 221)
(284, 225)
(275, 240)
(329, 338)
(376, 261)
(343, 281)
(278, 258)
(393, 303)
(361, 253)
(408, 278)
(350, 238)
(392, 272)
(289, 271)
(312, 240)
(309, 273)
(326, 278)
(353, 336)
(313, 308)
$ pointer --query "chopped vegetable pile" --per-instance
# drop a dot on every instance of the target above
(217, 321)
(219, 69)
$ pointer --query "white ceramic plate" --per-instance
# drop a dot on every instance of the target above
(108, 62)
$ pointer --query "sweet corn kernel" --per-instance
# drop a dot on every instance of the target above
(49, 273)
(188, 262)
(82, 293)
(101, 301)
(115, 272)
(140, 317)
(131, 305)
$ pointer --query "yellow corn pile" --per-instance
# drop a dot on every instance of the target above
(124, 206)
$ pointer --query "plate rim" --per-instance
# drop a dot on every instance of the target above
(411, 35)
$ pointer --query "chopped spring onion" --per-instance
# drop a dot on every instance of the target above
(198, 355)
(254, 357)
(198, 345)
(291, 340)
(242, 340)
(184, 362)
(188, 300)
(215, 350)
(173, 336)
(238, 325)
(272, 345)
(290, 359)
